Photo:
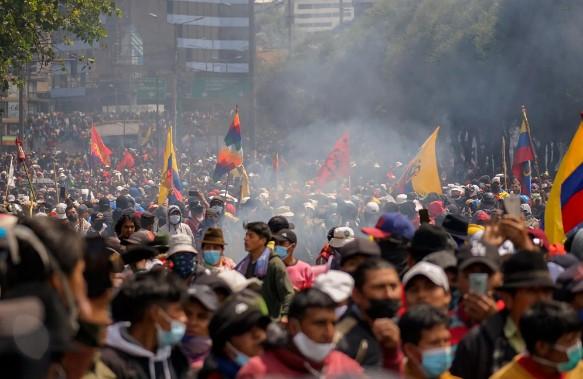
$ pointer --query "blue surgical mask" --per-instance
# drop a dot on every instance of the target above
(281, 251)
(174, 335)
(211, 257)
(574, 354)
(239, 358)
(437, 361)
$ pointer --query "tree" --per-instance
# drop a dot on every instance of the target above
(28, 26)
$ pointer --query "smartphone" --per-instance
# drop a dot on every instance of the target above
(512, 206)
(62, 194)
(478, 283)
(424, 216)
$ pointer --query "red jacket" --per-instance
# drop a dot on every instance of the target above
(287, 363)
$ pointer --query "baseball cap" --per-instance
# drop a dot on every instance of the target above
(239, 314)
(285, 235)
(336, 284)
(571, 279)
(237, 281)
(401, 198)
(391, 224)
(432, 272)
(181, 243)
(444, 259)
(205, 295)
(276, 223)
(359, 246)
(477, 252)
(372, 207)
(341, 236)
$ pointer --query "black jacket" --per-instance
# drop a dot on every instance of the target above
(356, 339)
(483, 350)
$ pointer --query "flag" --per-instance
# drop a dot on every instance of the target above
(230, 156)
(563, 209)
(233, 137)
(99, 151)
(21, 153)
(170, 184)
(337, 164)
(523, 154)
(245, 187)
(127, 161)
(421, 174)
(10, 183)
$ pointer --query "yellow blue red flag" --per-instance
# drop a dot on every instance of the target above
(170, 184)
(523, 154)
(563, 209)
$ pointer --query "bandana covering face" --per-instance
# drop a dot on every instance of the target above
(183, 264)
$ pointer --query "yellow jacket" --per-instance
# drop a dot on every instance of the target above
(516, 370)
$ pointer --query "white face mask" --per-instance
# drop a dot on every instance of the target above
(314, 351)
(175, 219)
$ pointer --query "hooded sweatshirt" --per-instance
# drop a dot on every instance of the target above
(180, 228)
(128, 359)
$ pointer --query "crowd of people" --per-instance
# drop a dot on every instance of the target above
(98, 280)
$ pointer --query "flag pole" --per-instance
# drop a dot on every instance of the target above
(536, 166)
(8, 181)
(504, 166)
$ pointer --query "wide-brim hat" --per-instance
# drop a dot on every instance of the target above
(528, 279)
(214, 236)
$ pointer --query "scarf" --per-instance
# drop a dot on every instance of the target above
(260, 267)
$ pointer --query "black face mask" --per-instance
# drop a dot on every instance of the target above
(97, 225)
(384, 308)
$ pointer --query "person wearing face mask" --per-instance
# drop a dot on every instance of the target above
(213, 251)
(338, 285)
(238, 333)
(150, 323)
(175, 224)
(426, 343)
(367, 332)
(201, 305)
(552, 334)
(309, 350)
(98, 226)
(299, 272)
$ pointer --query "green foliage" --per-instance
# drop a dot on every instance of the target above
(27, 28)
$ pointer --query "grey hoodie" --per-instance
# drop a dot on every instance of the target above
(119, 338)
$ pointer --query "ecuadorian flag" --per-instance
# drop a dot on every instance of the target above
(564, 207)
(421, 174)
(523, 154)
(170, 185)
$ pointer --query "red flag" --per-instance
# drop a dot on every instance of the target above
(127, 161)
(98, 148)
(21, 153)
(337, 164)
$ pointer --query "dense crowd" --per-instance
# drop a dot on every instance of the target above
(98, 280)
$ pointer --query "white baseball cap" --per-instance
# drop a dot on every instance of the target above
(336, 284)
(432, 272)
(372, 208)
(342, 235)
(401, 198)
(181, 243)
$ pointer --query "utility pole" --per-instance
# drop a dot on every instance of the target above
(290, 23)
(252, 54)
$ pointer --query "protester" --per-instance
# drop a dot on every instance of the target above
(299, 272)
(126, 226)
(426, 343)
(213, 251)
(552, 335)
(487, 348)
(309, 350)
(145, 336)
(182, 256)
(265, 265)
(199, 309)
(367, 332)
(175, 224)
(238, 332)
